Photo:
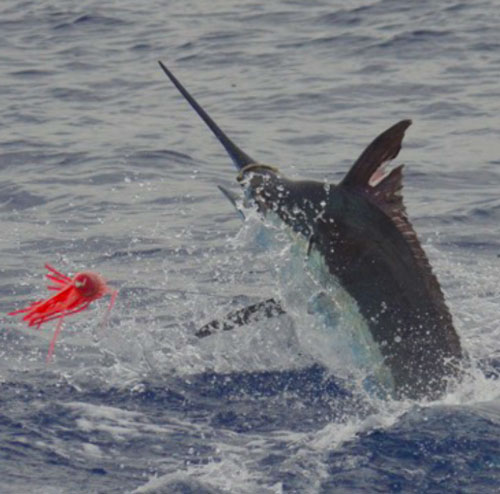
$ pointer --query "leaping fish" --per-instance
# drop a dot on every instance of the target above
(360, 231)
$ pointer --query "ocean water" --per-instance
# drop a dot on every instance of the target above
(105, 167)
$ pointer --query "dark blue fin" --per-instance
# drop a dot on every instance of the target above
(240, 158)
(384, 148)
(253, 313)
(234, 199)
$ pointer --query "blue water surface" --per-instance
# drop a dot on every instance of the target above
(105, 167)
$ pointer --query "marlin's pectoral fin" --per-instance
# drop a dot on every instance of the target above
(241, 317)
(234, 199)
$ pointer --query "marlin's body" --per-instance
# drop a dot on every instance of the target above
(360, 231)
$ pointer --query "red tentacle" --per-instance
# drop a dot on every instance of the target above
(51, 277)
(38, 321)
(67, 313)
(26, 309)
(53, 340)
(58, 273)
(114, 294)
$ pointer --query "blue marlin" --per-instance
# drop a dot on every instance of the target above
(358, 238)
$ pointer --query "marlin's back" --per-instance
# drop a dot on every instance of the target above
(376, 254)
(361, 229)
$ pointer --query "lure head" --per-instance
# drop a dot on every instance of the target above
(90, 285)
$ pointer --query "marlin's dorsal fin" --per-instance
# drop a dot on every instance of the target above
(385, 192)
(367, 177)
(239, 157)
(384, 148)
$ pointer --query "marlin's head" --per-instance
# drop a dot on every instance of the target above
(299, 204)
(263, 184)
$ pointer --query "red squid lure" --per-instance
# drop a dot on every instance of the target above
(73, 295)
